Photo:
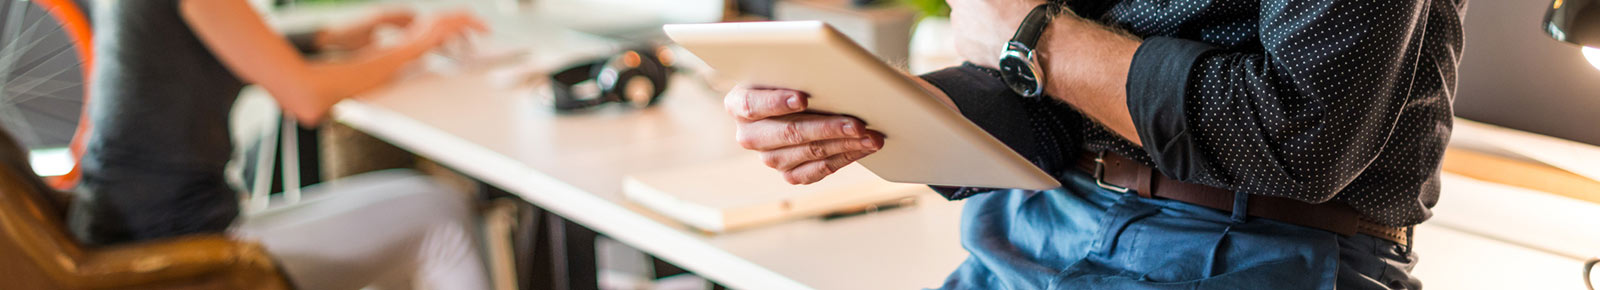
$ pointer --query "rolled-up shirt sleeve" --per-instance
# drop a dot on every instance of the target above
(1301, 116)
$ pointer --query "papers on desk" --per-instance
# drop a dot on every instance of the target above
(740, 192)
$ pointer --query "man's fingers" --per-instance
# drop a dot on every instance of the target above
(756, 103)
(784, 131)
(788, 157)
(814, 171)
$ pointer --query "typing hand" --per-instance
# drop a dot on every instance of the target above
(361, 34)
(805, 146)
(443, 27)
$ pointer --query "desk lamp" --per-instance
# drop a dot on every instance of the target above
(1576, 22)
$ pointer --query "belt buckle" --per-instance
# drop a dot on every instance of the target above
(1100, 173)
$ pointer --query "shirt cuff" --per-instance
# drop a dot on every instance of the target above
(983, 98)
(304, 41)
(959, 193)
(1157, 84)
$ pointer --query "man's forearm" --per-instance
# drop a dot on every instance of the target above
(1086, 64)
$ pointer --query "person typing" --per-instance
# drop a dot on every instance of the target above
(166, 76)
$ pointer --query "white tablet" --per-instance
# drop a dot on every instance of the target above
(927, 142)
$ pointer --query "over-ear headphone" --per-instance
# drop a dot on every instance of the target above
(636, 77)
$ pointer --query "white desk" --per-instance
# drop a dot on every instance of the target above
(573, 165)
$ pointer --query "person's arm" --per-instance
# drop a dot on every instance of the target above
(1045, 131)
(1302, 118)
(1085, 63)
(351, 37)
(307, 90)
(355, 36)
(308, 41)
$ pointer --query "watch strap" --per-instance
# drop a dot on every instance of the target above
(1034, 24)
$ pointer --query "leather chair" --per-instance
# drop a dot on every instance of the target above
(36, 251)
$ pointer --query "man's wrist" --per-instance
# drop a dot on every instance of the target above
(1073, 51)
(1087, 65)
(1054, 48)
(1019, 61)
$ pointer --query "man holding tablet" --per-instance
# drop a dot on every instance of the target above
(1212, 144)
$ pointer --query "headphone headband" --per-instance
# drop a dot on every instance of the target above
(616, 77)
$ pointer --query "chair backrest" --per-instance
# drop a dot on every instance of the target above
(32, 230)
(37, 252)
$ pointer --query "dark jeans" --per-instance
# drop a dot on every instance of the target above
(1083, 237)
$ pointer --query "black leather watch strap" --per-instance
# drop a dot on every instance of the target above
(1034, 24)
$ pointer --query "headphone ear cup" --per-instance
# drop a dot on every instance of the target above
(566, 101)
(638, 90)
(563, 87)
(658, 83)
(636, 77)
(659, 75)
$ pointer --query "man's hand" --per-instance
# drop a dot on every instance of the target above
(805, 146)
(359, 35)
(982, 27)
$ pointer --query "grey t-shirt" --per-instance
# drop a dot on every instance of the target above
(159, 106)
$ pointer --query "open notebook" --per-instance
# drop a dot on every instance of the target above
(741, 192)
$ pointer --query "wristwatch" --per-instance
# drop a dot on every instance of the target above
(1019, 66)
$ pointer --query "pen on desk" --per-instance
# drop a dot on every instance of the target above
(870, 208)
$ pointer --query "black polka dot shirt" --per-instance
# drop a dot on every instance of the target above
(1316, 100)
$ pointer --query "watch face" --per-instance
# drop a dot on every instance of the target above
(1018, 71)
(1017, 74)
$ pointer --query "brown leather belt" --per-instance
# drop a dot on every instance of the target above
(1117, 173)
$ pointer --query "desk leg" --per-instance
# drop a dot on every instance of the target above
(309, 159)
(552, 252)
(572, 257)
(309, 143)
(665, 269)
